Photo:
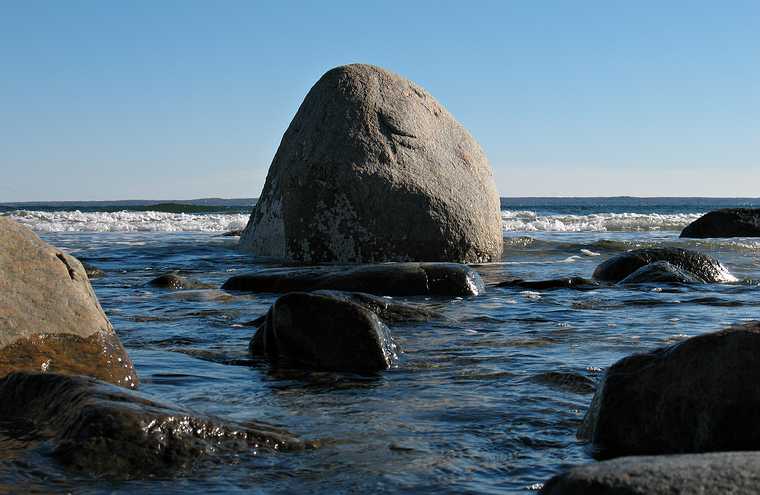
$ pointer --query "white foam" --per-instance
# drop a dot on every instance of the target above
(530, 221)
(127, 221)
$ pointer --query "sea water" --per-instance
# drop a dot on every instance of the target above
(486, 398)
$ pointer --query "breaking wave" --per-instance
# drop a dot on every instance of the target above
(127, 221)
(531, 221)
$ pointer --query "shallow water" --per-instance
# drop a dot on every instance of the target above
(486, 397)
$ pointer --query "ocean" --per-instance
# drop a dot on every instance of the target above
(486, 397)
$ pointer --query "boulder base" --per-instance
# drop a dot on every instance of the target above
(50, 319)
(372, 168)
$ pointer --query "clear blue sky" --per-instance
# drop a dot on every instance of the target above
(181, 99)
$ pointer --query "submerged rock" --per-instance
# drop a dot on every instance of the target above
(727, 222)
(372, 168)
(387, 279)
(50, 319)
(92, 271)
(577, 283)
(716, 473)
(174, 281)
(106, 430)
(322, 331)
(696, 265)
(699, 395)
(660, 272)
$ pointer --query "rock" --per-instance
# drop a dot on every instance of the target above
(716, 473)
(728, 222)
(174, 281)
(576, 283)
(699, 395)
(372, 168)
(50, 319)
(387, 279)
(568, 381)
(96, 427)
(387, 310)
(660, 272)
(233, 233)
(697, 265)
(91, 271)
(325, 332)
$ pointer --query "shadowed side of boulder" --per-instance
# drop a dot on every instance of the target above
(321, 331)
(727, 222)
(387, 279)
(726, 472)
(50, 319)
(106, 430)
(699, 395)
(372, 168)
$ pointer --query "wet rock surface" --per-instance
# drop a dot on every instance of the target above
(50, 319)
(388, 279)
(660, 272)
(699, 395)
(697, 265)
(372, 168)
(177, 282)
(104, 430)
(322, 331)
(715, 473)
(727, 222)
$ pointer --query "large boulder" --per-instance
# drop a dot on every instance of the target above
(372, 168)
(699, 395)
(701, 267)
(322, 331)
(728, 222)
(50, 319)
(96, 427)
(385, 279)
(737, 473)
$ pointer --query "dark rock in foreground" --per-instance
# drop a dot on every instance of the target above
(321, 331)
(174, 281)
(387, 279)
(697, 265)
(699, 395)
(372, 168)
(727, 222)
(660, 272)
(106, 430)
(737, 473)
(50, 319)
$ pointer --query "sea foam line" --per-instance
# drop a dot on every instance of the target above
(530, 221)
(127, 221)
